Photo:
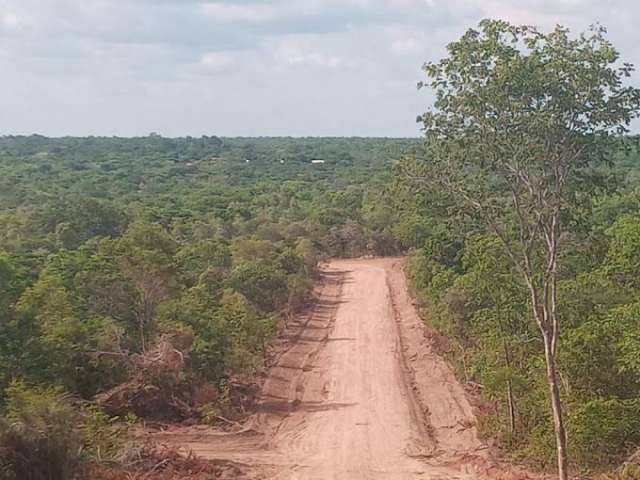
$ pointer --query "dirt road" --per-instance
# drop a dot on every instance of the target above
(358, 394)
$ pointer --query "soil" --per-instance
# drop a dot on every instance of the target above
(358, 393)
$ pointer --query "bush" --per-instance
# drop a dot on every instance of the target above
(104, 437)
(626, 472)
(38, 440)
(263, 285)
(601, 430)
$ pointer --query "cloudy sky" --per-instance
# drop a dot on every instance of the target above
(246, 67)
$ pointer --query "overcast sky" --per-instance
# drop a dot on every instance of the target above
(244, 67)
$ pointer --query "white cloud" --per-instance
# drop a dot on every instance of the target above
(304, 51)
(337, 67)
(519, 14)
(217, 60)
(297, 56)
(405, 46)
(229, 12)
(9, 20)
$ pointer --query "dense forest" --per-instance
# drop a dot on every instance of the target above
(115, 251)
(137, 273)
(111, 247)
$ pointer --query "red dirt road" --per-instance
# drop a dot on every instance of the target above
(358, 394)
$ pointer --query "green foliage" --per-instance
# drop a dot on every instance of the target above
(104, 437)
(624, 251)
(38, 437)
(528, 193)
(262, 284)
(605, 429)
(626, 320)
(109, 243)
(213, 412)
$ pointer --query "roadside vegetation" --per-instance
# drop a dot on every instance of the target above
(531, 262)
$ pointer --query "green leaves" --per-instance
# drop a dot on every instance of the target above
(611, 424)
(39, 438)
(510, 99)
(623, 258)
(517, 146)
(263, 285)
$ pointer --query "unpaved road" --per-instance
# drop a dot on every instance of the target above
(359, 393)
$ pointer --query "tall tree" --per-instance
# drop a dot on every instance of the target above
(518, 115)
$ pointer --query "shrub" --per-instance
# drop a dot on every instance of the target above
(104, 436)
(38, 440)
(604, 429)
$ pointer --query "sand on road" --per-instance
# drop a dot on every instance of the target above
(359, 393)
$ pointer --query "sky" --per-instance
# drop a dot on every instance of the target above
(246, 67)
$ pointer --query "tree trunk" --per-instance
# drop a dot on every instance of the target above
(143, 343)
(510, 400)
(556, 408)
(549, 335)
(512, 411)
